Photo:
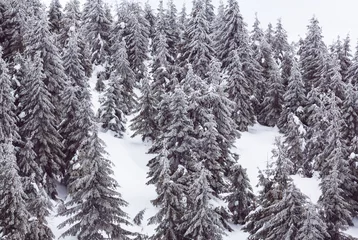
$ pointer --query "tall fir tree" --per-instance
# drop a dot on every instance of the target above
(55, 16)
(144, 123)
(273, 102)
(280, 43)
(313, 54)
(239, 92)
(197, 47)
(15, 218)
(39, 123)
(95, 205)
(96, 27)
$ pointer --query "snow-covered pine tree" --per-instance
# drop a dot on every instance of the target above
(287, 64)
(269, 34)
(172, 31)
(96, 28)
(14, 219)
(343, 51)
(71, 17)
(201, 221)
(78, 116)
(352, 73)
(350, 114)
(312, 227)
(273, 102)
(241, 198)
(274, 181)
(111, 113)
(95, 206)
(238, 91)
(280, 43)
(312, 55)
(287, 217)
(55, 16)
(39, 123)
(333, 79)
(152, 20)
(295, 144)
(197, 47)
(122, 73)
(294, 99)
(137, 39)
(170, 192)
(39, 206)
(14, 27)
(39, 40)
(336, 212)
(144, 123)
(160, 66)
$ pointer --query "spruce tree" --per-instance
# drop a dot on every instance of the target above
(280, 43)
(39, 40)
(295, 144)
(71, 18)
(96, 29)
(294, 99)
(313, 227)
(352, 72)
(55, 17)
(151, 18)
(95, 205)
(14, 219)
(202, 221)
(172, 31)
(136, 37)
(349, 114)
(39, 123)
(144, 123)
(111, 113)
(344, 56)
(333, 79)
(335, 209)
(273, 102)
(312, 55)
(197, 48)
(241, 198)
(239, 92)
(170, 192)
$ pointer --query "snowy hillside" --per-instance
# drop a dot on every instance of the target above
(130, 159)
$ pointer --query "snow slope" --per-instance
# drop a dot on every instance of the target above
(130, 159)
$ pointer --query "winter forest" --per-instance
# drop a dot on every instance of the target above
(191, 85)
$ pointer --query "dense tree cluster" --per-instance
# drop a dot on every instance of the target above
(187, 84)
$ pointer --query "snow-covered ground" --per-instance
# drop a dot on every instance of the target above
(130, 159)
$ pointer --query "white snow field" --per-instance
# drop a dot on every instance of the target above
(130, 170)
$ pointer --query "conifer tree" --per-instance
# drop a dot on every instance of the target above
(241, 198)
(269, 34)
(294, 98)
(136, 37)
(279, 44)
(39, 123)
(151, 18)
(122, 74)
(202, 221)
(349, 114)
(273, 101)
(144, 123)
(352, 72)
(14, 219)
(170, 192)
(39, 40)
(295, 143)
(312, 55)
(312, 226)
(96, 27)
(344, 56)
(71, 18)
(238, 92)
(172, 31)
(333, 79)
(55, 16)
(197, 48)
(335, 209)
(95, 205)
(111, 113)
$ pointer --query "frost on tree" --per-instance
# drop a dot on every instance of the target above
(95, 206)
(40, 123)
